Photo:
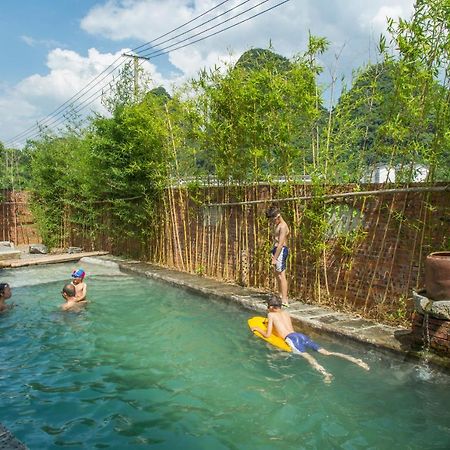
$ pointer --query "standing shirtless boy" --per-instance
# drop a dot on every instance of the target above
(279, 251)
(279, 323)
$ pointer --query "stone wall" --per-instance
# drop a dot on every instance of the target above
(16, 221)
(433, 332)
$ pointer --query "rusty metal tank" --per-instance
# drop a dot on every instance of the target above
(437, 275)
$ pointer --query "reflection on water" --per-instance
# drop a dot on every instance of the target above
(146, 365)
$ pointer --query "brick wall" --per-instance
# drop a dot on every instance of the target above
(232, 243)
(435, 331)
(16, 221)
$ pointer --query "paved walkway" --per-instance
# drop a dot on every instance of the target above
(33, 260)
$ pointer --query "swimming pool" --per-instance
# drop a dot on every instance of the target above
(148, 365)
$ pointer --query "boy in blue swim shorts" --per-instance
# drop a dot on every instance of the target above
(279, 323)
(279, 251)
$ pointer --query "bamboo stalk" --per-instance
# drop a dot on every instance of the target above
(363, 280)
(226, 224)
(175, 228)
(340, 195)
(416, 235)
(395, 250)
(422, 238)
(380, 252)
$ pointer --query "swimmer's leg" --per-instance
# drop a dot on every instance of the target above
(327, 376)
(356, 361)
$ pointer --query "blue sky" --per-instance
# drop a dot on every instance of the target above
(52, 48)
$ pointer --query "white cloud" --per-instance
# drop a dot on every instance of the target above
(69, 73)
(140, 19)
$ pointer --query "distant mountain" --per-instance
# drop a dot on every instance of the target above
(160, 92)
(258, 58)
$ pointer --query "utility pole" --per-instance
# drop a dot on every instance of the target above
(136, 59)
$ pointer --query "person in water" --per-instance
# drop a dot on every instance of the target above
(71, 302)
(5, 293)
(79, 284)
(280, 251)
(280, 324)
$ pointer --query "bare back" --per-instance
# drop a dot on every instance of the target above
(281, 322)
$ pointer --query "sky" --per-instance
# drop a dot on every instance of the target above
(53, 49)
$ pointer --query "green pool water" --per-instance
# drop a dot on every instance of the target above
(151, 366)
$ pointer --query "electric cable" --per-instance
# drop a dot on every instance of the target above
(159, 52)
(162, 52)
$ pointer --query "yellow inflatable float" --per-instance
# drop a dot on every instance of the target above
(261, 322)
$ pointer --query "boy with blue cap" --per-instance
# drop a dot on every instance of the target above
(79, 284)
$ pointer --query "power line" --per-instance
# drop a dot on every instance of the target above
(201, 24)
(162, 52)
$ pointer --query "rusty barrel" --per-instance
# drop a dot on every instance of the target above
(437, 275)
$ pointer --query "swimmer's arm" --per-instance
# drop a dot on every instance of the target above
(68, 305)
(73, 305)
(267, 333)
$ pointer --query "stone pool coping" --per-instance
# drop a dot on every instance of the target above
(306, 317)
(26, 259)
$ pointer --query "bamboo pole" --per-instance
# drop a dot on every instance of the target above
(422, 238)
(366, 272)
(379, 254)
(175, 227)
(341, 195)
(416, 235)
(226, 225)
(395, 250)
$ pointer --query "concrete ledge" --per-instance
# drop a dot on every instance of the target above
(34, 260)
(9, 253)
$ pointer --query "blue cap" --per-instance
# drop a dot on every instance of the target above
(78, 273)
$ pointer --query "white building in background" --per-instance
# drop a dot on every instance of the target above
(383, 173)
(420, 173)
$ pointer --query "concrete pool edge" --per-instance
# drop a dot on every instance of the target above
(316, 318)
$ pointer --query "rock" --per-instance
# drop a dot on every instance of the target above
(6, 244)
(424, 305)
(74, 250)
(38, 249)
